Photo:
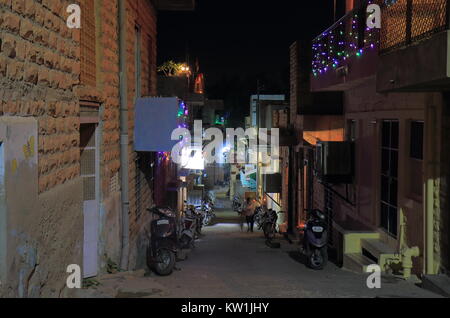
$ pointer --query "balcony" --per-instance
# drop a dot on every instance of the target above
(414, 46)
(174, 5)
(346, 54)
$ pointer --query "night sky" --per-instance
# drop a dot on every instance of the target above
(238, 41)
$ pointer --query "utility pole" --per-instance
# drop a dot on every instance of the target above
(335, 5)
(258, 123)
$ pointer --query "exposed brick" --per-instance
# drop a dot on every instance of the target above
(6, 3)
(21, 50)
(43, 76)
(10, 21)
(31, 74)
(3, 63)
(15, 70)
(30, 9)
(11, 107)
(40, 14)
(8, 45)
(18, 6)
(27, 30)
(42, 36)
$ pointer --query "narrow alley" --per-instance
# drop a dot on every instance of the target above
(231, 263)
(192, 149)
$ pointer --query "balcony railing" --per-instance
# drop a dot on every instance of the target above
(349, 37)
(408, 21)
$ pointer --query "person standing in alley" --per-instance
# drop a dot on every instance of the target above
(249, 212)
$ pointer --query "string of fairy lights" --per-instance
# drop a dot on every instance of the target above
(333, 47)
(182, 119)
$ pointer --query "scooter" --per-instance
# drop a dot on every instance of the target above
(188, 229)
(162, 250)
(315, 239)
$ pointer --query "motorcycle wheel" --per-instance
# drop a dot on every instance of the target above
(268, 231)
(165, 262)
(318, 258)
(185, 241)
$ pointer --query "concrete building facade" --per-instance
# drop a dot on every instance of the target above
(398, 194)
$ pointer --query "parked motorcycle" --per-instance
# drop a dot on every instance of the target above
(237, 204)
(268, 223)
(207, 212)
(162, 250)
(315, 239)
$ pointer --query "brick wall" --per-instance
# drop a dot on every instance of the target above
(39, 63)
(39, 73)
(139, 13)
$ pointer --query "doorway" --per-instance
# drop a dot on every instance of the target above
(89, 157)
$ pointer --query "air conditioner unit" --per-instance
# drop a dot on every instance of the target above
(334, 162)
(273, 183)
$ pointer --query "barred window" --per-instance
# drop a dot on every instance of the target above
(87, 45)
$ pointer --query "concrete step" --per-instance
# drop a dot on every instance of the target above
(377, 248)
(356, 262)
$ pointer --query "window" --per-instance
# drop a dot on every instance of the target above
(87, 46)
(415, 163)
(389, 176)
(351, 130)
(416, 145)
(137, 61)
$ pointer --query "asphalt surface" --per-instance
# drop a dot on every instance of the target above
(231, 263)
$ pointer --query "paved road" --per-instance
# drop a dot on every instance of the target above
(234, 264)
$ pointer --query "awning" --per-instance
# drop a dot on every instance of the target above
(155, 120)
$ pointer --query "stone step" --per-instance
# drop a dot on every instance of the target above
(439, 284)
(356, 262)
(377, 249)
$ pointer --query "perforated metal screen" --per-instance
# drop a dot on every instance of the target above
(88, 160)
(88, 52)
(408, 21)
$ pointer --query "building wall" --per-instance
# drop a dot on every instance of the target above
(361, 210)
(40, 84)
(39, 63)
(143, 14)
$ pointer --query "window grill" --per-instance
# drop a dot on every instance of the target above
(328, 209)
(408, 21)
(88, 160)
(87, 45)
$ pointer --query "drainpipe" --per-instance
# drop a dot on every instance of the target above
(123, 136)
(429, 190)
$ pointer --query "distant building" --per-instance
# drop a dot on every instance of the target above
(254, 99)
